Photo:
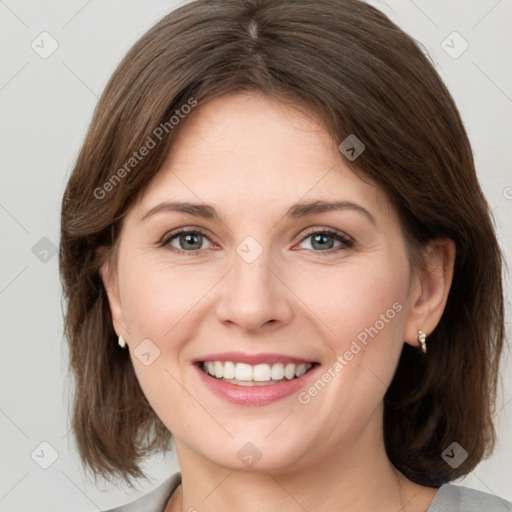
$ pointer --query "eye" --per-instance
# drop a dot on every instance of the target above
(192, 241)
(186, 240)
(325, 240)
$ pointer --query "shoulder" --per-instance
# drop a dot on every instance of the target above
(153, 501)
(456, 498)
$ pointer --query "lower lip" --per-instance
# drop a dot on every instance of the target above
(254, 395)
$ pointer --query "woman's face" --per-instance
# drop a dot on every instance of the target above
(262, 278)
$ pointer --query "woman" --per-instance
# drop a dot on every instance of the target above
(275, 247)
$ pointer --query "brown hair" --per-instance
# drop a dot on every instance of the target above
(360, 74)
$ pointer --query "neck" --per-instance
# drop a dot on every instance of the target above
(356, 477)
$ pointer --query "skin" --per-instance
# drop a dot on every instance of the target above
(252, 158)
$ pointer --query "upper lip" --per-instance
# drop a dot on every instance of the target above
(252, 359)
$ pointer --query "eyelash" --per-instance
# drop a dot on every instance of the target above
(346, 241)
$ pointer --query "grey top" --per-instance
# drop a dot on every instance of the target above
(154, 501)
(449, 498)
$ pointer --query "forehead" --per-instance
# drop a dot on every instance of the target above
(252, 151)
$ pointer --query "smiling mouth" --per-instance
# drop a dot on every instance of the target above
(243, 374)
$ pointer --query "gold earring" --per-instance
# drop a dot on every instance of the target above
(422, 339)
(121, 342)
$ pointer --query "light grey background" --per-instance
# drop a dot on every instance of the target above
(46, 105)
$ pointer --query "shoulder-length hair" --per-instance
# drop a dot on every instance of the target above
(347, 63)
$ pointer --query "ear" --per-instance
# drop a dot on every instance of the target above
(110, 280)
(429, 289)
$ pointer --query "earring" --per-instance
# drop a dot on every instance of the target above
(422, 338)
(121, 342)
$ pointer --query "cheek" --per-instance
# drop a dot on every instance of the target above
(164, 304)
(362, 308)
(157, 300)
(161, 305)
(363, 314)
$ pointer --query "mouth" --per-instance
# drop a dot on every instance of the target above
(243, 374)
(261, 384)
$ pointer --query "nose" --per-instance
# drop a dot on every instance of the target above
(253, 296)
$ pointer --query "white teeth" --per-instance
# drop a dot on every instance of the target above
(289, 371)
(242, 371)
(218, 368)
(277, 372)
(246, 373)
(300, 370)
(261, 373)
(229, 370)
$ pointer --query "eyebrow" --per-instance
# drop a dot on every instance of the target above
(296, 211)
